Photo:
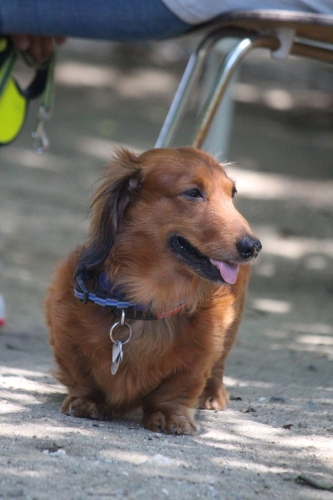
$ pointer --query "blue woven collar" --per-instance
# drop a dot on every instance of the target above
(105, 294)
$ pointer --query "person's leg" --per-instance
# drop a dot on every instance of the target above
(117, 20)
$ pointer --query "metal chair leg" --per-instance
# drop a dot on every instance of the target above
(191, 75)
(225, 74)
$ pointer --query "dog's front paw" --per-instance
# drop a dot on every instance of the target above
(214, 397)
(170, 424)
(84, 408)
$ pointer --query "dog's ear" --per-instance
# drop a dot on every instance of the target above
(118, 191)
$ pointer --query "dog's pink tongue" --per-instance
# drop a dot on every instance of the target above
(229, 272)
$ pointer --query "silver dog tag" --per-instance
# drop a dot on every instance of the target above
(117, 356)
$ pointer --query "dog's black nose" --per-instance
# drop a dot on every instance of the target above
(248, 247)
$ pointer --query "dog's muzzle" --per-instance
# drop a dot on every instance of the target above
(212, 269)
(248, 247)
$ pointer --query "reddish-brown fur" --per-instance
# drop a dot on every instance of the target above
(171, 365)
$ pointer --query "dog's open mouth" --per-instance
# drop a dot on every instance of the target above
(211, 269)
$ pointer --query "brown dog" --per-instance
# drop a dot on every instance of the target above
(165, 269)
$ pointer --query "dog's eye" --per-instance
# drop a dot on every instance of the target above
(193, 193)
(234, 191)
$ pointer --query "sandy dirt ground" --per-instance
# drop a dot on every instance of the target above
(275, 440)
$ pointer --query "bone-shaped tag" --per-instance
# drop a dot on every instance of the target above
(117, 356)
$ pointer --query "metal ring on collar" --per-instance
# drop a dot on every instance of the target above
(122, 322)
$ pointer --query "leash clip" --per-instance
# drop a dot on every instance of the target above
(41, 141)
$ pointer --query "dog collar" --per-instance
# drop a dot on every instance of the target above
(102, 296)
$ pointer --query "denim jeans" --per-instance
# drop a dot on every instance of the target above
(118, 20)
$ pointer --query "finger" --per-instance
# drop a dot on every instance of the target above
(59, 40)
(41, 47)
(22, 42)
(35, 49)
(46, 46)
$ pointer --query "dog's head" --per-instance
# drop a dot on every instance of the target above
(167, 213)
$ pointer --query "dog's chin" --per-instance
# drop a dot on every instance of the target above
(216, 271)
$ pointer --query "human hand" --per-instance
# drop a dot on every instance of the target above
(37, 46)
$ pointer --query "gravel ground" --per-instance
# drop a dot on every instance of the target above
(275, 440)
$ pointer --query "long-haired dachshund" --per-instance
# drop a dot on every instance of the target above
(145, 313)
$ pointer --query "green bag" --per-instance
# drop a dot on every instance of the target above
(14, 100)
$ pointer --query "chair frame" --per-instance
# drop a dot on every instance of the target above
(283, 33)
